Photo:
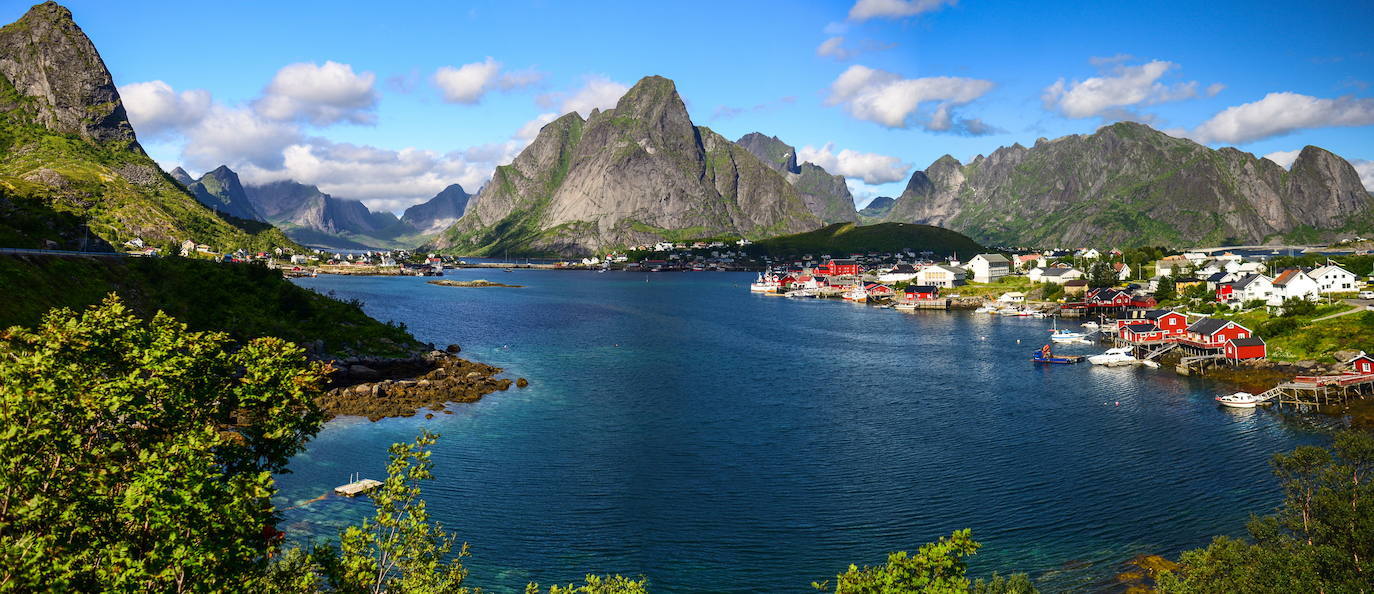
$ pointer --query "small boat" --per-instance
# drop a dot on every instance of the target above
(905, 305)
(1149, 363)
(985, 309)
(1058, 334)
(1114, 357)
(856, 294)
(1045, 355)
(1091, 325)
(1238, 400)
(767, 282)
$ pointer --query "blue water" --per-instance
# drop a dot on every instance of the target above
(714, 440)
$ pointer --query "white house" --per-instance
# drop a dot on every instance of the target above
(1088, 254)
(1334, 279)
(1057, 276)
(987, 268)
(1123, 271)
(1293, 284)
(899, 274)
(940, 275)
(1028, 261)
(1012, 297)
(1252, 287)
(1172, 266)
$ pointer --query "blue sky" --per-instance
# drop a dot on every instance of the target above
(391, 102)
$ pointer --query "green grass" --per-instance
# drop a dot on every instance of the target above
(1314, 341)
(244, 300)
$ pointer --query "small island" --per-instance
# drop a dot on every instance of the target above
(472, 283)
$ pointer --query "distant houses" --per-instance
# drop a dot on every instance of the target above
(941, 275)
(1057, 276)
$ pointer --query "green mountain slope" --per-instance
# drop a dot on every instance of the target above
(72, 173)
(825, 195)
(842, 239)
(1130, 185)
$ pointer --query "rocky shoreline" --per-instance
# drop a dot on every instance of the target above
(472, 283)
(378, 388)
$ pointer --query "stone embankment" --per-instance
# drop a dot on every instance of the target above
(377, 388)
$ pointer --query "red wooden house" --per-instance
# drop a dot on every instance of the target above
(839, 268)
(1362, 364)
(877, 290)
(921, 292)
(1172, 323)
(1212, 334)
(1240, 349)
(1225, 292)
(1142, 332)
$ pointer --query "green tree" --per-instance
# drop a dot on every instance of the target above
(1165, 290)
(936, 567)
(1321, 540)
(137, 455)
(1101, 275)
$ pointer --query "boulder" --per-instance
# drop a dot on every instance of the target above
(522, 382)
(453, 349)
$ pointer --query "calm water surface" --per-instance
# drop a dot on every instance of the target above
(714, 440)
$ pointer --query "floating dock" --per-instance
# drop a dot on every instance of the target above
(357, 487)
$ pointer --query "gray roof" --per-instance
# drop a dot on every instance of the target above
(994, 258)
(1252, 341)
(1056, 271)
(1208, 326)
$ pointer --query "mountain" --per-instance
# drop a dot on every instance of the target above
(825, 195)
(221, 191)
(638, 173)
(315, 218)
(439, 212)
(878, 207)
(182, 177)
(72, 173)
(1129, 185)
(842, 239)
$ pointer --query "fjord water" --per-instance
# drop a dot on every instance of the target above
(679, 427)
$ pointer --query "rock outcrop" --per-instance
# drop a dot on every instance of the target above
(825, 195)
(48, 59)
(1128, 184)
(638, 173)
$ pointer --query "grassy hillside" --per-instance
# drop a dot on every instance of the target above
(1298, 337)
(246, 300)
(846, 238)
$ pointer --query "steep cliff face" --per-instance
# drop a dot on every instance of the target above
(439, 212)
(72, 173)
(1128, 184)
(55, 68)
(221, 191)
(316, 218)
(637, 173)
(825, 195)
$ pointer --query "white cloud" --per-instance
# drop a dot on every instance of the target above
(833, 48)
(1366, 171)
(156, 110)
(1119, 87)
(597, 92)
(531, 128)
(888, 99)
(235, 135)
(320, 94)
(470, 82)
(872, 168)
(893, 9)
(1283, 113)
(1283, 158)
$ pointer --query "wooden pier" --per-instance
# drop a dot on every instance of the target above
(924, 304)
(357, 487)
(1318, 390)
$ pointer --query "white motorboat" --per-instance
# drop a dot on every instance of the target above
(1114, 357)
(1238, 400)
(986, 309)
(1058, 334)
(1091, 325)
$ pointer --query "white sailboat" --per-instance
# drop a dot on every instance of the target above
(1058, 334)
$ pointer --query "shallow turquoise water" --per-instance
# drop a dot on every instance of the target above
(714, 440)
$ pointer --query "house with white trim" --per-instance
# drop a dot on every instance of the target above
(1334, 279)
(988, 268)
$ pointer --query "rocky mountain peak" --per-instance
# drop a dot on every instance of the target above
(48, 58)
(181, 176)
(439, 212)
(772, 151)
(653, 111)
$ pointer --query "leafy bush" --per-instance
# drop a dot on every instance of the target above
(1276, 327)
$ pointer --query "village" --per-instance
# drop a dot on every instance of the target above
(1191, 312)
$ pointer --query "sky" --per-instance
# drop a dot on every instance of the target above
(389, 103)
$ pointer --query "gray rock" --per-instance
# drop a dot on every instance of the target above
(362, 372)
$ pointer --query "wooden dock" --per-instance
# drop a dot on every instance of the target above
(1320, 390)
(357, 487)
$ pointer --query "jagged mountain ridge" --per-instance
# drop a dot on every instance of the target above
(825, 195)
(1128, 184)
(72, 174)
(878, 207)
(439, 212)
(220, 190)
(634, 174)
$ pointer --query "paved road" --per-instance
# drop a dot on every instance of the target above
(1360, 305)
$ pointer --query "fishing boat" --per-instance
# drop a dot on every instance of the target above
(857, 294)
(1045, 355)
(905, 305)
(1058, 334)
(767, 282)
(1238, 400)
(1114, 357)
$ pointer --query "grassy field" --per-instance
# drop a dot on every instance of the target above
(244, 300)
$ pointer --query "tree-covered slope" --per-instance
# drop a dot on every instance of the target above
(71, 170)
(1130, 185)
(842, 239)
